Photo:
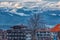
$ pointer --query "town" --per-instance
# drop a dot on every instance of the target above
(21, 32)
(29, 19)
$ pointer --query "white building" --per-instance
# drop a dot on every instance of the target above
(43, 34)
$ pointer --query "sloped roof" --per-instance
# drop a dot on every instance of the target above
(56, 28)
(19, 27)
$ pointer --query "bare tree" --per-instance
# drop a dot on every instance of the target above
(35, 21)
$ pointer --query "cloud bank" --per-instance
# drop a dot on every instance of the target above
(42, 3)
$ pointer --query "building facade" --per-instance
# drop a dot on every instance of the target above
(2, 35)
(21, 32)
(43, 34)
(18, 33)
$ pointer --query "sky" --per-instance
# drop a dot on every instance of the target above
(50, 3)
(44, 4)
(17, 0)
(31, 0)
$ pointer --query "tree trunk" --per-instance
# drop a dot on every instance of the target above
(33, 35)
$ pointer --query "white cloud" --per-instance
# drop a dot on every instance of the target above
(11, 4)
(45, 5)
(20, 0)
(52, 0)
(53, 5)
(42, 3)
(32, 0)
(17, 4)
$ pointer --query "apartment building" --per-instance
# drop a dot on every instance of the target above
(43, 34)
(2, 35)
(19, 32)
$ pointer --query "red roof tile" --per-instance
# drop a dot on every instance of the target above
(56, 28)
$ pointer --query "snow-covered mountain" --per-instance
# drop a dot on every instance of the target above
(19, 13)
(9, 18)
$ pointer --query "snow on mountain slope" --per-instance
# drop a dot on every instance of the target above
(7, 17)
(18, 13)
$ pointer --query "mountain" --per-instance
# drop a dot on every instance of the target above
(14, 16)
(52, 17)
(8, 18)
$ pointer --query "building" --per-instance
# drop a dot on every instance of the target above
(19, 32)
(56, 31)
(28, 34)
(2, 35)
(43, 34)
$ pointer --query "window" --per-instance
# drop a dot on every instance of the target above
(37, 34)
(14, 39)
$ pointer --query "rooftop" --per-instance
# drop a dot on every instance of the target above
(56, 28)
(19, 27)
